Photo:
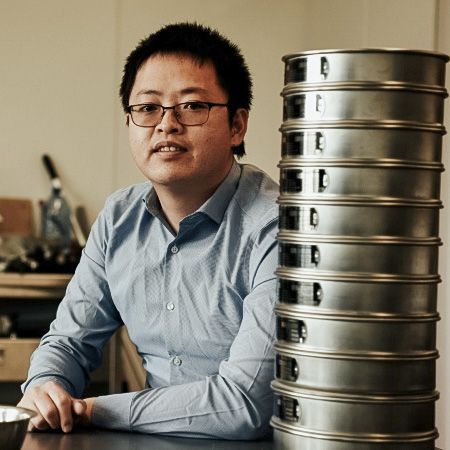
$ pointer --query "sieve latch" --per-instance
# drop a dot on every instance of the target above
(320, 104)
(315, 255)
(287, 409)
(291, 330)
(286, 368)
(313, 218)
(305, 256)
(320, 142)
(318, 294)
(321, 180)
(299, 292)
(324, 68)
(302, 144)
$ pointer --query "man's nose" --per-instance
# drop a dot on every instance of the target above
(169, 122)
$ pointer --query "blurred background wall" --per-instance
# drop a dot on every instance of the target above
(61, 65)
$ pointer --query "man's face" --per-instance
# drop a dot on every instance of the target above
(175, 155)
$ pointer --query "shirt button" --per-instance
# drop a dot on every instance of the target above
(176, 361)
(170, 306)
(174, 249)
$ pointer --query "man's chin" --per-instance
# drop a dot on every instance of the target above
(174, 179)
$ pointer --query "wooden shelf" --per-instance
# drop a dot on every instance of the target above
(15, 358)
(33, 285)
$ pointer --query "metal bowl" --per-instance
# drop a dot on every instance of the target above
(13, 426)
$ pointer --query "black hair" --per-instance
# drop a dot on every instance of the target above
(202, 44)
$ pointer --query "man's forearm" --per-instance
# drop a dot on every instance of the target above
(211, 408)
(52, 362)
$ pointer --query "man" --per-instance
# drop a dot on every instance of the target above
(186, 261)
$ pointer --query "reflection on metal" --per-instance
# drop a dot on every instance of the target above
(358, 250)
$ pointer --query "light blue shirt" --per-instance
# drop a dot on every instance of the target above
(198, 305)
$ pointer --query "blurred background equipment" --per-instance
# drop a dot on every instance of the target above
(59, 221)
(16, 216)
(57, 249)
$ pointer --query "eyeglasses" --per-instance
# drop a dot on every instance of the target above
(187, 113)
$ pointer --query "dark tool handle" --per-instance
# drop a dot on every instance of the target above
(48, 163)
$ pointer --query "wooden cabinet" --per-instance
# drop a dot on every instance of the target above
(15, 358)
(30, 294)
(34, 298)
(33, 286)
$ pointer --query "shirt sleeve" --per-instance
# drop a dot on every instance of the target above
(237, 402)
(85, 320)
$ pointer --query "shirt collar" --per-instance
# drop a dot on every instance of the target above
(214, 207)
(152, 204)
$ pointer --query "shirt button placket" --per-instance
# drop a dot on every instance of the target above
(170, 306)
(174, 249)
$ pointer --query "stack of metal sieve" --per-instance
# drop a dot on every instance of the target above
(358, 250)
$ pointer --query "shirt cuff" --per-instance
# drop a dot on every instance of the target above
(38, 381)
(113, 411)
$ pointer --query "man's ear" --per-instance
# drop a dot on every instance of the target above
(239, 126)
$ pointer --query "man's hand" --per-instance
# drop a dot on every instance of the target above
(55, 408)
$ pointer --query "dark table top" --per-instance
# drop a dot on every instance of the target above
(115, 440)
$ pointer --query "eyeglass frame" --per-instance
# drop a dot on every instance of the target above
(165, 108)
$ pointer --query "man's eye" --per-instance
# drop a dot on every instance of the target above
(150, 108)
(195, 106)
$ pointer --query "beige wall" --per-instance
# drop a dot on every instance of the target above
(61, 65)
(58, 61)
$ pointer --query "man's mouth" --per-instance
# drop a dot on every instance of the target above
(168, 148)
